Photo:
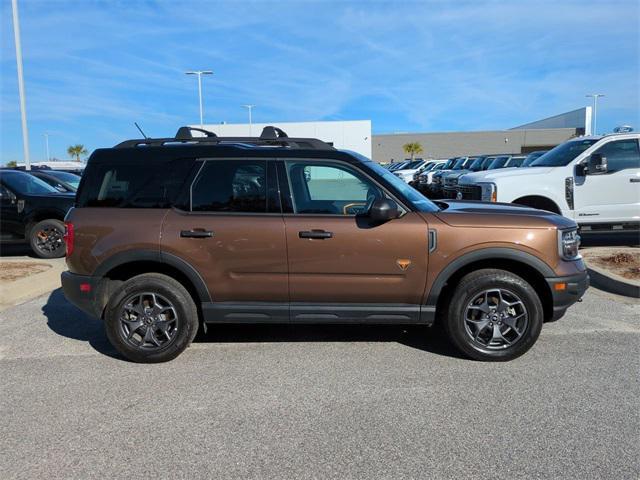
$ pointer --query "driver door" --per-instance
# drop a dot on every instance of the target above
(11, 228)
(342, 266)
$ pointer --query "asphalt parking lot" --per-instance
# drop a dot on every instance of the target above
(320, 402)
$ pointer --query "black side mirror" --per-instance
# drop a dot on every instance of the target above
(382, 210)
(597, 164)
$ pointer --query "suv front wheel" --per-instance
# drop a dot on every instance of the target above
(151, 319)
(493, 315)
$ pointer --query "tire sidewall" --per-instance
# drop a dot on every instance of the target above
(174, 293)
(59, 225)
(467, 291)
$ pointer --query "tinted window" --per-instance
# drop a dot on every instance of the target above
(26, 184)
(564, 153)
(133, 184)
(231, 186)
(70, 178)
(621, 154)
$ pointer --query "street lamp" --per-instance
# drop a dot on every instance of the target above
(595, 110)
(199, 73)
(23, 105)
(249, 107)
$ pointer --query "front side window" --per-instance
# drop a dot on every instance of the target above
(330, 189)
(621, 154)
(231, 186)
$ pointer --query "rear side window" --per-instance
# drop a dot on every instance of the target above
(133, 184)
(231, 186)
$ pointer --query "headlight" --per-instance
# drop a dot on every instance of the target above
(489, 192)
(568, 244)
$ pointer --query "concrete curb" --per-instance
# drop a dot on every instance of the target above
(33, 286)
(613, 284)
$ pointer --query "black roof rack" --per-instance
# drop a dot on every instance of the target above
(270, 137)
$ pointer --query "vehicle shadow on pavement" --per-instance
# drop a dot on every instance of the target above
(16, 250)
(68, 321)
(419, 337)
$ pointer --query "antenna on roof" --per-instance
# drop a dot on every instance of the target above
(138, 127)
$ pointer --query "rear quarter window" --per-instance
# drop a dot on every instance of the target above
(134, 184)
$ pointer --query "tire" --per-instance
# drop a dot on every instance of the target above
(142, 304)
(46, 239)
(490, 299)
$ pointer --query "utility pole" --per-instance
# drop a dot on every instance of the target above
(249, 107)
(23, 105)
(595, 96)
(199, 73)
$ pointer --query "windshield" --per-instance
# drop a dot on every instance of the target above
(412, 165)
(498, 162)
(516, 161)
(70, 178)
(531, 158)
(476, 164)
(459, 164)
(449, 164)
(26, 184)
(419, 201)
(564, 153)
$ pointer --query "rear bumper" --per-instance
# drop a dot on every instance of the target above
(566, 291)
(82, 291)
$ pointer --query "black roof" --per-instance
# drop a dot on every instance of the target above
(273, 142)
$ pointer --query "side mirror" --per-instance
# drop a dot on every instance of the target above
(382, 210)
(597, 164)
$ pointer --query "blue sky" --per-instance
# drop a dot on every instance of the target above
(92, 68)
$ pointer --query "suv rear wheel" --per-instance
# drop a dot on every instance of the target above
(151, 318)
(46, 239)
(493, 315)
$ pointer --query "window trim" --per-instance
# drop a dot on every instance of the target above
(401, 205)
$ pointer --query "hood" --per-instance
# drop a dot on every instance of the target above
(461, 213)
(498, 173)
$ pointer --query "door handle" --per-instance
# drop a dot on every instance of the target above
(196, 233)
(319, 234)
(634, 180)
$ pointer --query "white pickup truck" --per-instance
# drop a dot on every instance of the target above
(594, 180)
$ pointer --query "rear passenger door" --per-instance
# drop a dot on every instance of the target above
(232, 231)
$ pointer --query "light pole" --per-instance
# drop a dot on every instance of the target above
(46, 143)
(595, 110)
(249, 107)
(23, 105)
(199, 73)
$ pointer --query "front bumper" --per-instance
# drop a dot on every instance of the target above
(566, 291)
(83, 291)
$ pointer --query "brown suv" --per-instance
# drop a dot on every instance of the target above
(168, 234)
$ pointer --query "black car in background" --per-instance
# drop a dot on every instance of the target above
(61, 181)
(32, 211)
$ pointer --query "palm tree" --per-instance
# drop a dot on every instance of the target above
(76, 151)
(413, 149)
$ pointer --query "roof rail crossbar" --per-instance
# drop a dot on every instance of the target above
(184, 133)
(270, 137)
(272, 133)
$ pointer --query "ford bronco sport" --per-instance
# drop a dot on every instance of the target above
(170, 234)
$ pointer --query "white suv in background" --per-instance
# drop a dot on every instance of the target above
(406, 173)
(593, 180)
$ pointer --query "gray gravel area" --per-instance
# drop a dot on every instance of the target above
(320, 402)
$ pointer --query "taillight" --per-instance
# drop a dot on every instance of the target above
(69, 237)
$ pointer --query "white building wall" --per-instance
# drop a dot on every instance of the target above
(350, 135)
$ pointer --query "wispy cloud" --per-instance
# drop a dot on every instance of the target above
(94, 67)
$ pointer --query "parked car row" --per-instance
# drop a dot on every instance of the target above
(33, 206)
(594, 180)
